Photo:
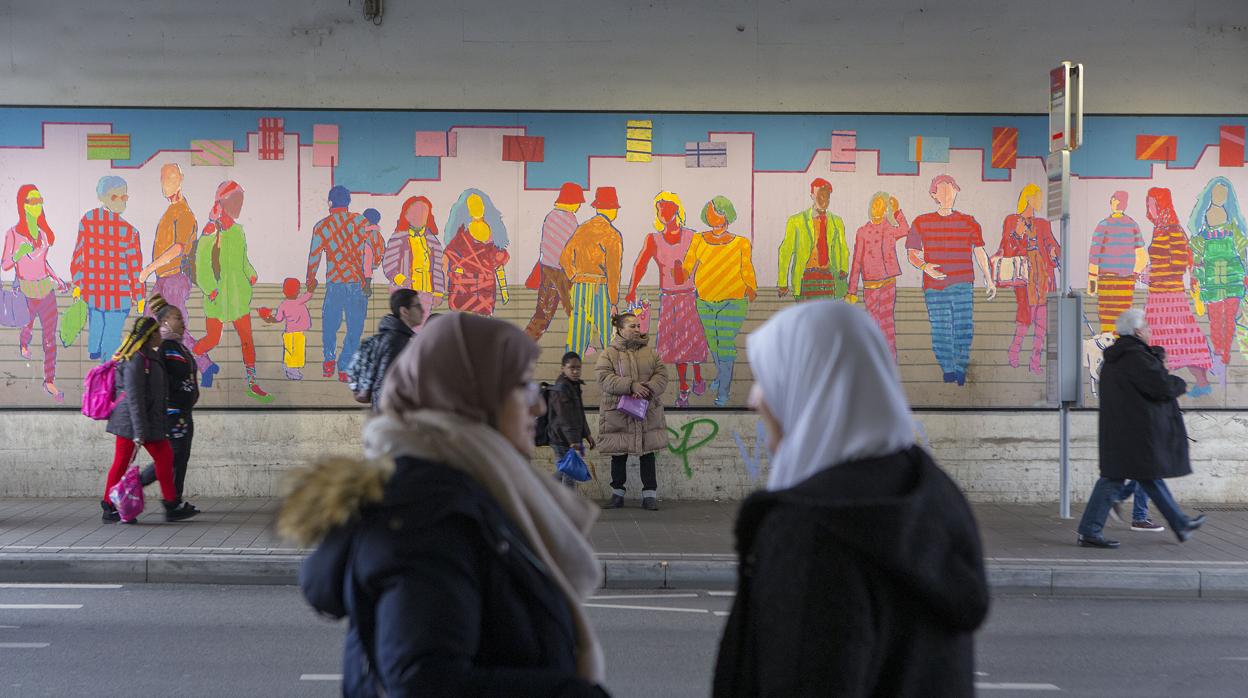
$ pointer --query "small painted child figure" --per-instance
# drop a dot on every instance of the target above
(568, 426)
(294, 310)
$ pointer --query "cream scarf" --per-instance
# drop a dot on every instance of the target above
(554, 521)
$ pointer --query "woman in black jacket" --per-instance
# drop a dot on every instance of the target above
(861, 572)
(139, 419)
(182, 382)
(461, 570)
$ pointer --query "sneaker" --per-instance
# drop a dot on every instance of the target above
(1147, 526)
(179, 512)
(294, 374)
(327, 370)
(699, 387)
(205, 380)
(682, 398)
(617, 502)
(110, 512)
(342, 377)
(1095, 542)
(650, 504)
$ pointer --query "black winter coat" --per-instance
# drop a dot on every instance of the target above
(867, 579)
(394, 336)
(568, 424)
(1142, 436)
(141, 413)
(443, 595)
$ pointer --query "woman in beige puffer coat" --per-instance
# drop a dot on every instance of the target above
(630, 367)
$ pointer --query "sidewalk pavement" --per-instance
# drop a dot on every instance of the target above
(684, 545)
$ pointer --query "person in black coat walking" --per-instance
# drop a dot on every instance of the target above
(1141, 433)
(567, 424)
(461, 570)
(861, 571)
(394, 333)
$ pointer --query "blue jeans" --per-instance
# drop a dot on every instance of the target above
(104, 328)
(950, 312)
(342, 299)
(1139, 506)
(1108, 490)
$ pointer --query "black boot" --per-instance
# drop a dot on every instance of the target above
(148, 475)
(178, 511)
(110, 512)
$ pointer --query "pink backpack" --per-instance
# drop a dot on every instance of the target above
(127, 494)
(99, 394)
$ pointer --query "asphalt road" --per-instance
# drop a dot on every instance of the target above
(114, 640)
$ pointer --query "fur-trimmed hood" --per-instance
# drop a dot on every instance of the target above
(329, 493)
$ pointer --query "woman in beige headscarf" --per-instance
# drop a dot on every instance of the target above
(461, 569)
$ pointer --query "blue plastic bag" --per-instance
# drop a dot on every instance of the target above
(573, 465)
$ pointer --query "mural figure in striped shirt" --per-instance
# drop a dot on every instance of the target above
(681, 340)
(814, 255)
(946, 245)
(1115, 260)
(1028, 236)
(414, 256)
(722, 268)
(476, 253)
(548, 278)
(1168, 310)
(592, 260)
(1219, 242)
(105, 268)
(341, 237)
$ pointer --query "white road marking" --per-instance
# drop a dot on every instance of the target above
(1235, 659)
(320, 677)
(39, 606)
(10, 627)
(1016, 687)
(646, 608)
(643, 596)
(23, 645)
(721, 593)
(721, 614)
(59, 586)
(981, 673)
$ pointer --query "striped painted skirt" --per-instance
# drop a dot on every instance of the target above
(681, 339)
(1174, 328)
(881, 302)
(818, 283)
(1114, 295)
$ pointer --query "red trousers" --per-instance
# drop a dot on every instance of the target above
(212, 336)
(160, 451)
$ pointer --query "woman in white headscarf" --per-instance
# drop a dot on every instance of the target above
(861, 572)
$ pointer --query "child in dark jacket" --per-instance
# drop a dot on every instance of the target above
(568, 426)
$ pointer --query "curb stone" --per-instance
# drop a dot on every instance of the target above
(619, 572)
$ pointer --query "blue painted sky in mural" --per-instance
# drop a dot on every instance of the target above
(377, 150)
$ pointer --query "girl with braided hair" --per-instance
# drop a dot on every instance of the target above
(139, 419)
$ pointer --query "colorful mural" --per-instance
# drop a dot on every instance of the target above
(725, 218)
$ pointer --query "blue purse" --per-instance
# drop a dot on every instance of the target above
(573, 466)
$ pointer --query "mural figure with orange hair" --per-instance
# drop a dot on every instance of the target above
(548, 278)
(875, 260)
(414, 254)
(1029, 239)
(681, 340)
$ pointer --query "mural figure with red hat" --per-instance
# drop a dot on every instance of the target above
(26, 247)
(414, 254)
(680, 337)
(592, 260)
(476, 254)
(552, 285)
(814, 256)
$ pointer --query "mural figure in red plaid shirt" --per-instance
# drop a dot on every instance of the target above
(341, 237)
(105, 268)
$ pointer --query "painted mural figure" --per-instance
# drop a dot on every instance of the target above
(875, 260)
(592, 259)
(553, 286)
(1116, 258)
(814, 256)
(476, 253)
(722, 269)
(414, 256)
(225, 276)
(1218, 245)
(942, 245)
(341, 237)
(294, 311)
(1168, 310)
(105, 268)
(26, 246)
(1028, 236)
(681, 340)
(173, 259)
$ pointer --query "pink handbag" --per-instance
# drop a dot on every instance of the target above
(127, 494)
(634, 407)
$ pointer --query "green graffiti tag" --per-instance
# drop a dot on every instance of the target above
(681, 445)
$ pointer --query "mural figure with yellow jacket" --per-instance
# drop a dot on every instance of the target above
(592, 260)
(476, 254)
(814, 256)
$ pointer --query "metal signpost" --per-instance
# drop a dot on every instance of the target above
(1065, 135)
